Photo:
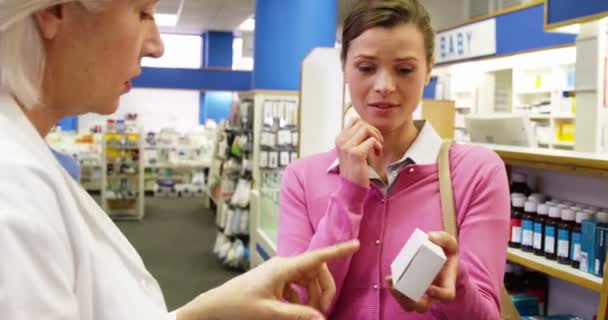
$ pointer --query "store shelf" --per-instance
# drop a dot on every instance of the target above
(563, 144)
(121, 198)
(119, 175)
(564, 116)
(540, 117)
(550, 159)
(266, 241)
(554, 269)
(551, 116)
(534, 91)
(91, 166)
(201, 165)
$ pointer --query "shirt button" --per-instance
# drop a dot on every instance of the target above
(376, 287)
(411, 170)
(382, 200)
(394, 174)
(377, 242)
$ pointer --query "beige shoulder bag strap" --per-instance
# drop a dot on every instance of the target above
(508, 310)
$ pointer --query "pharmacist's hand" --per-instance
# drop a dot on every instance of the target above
(266, 292)
(354, 146)
(443, 288)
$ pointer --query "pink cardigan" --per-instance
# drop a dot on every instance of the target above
(319, 208)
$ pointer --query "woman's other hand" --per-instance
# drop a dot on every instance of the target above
(443, 288)
(353, 146)
(266, 292)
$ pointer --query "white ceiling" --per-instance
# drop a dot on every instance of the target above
(198, 16)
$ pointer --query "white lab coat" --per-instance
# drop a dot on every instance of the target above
(61, 257)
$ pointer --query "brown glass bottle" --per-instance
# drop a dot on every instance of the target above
(527, 226)
(564, 236)
(539, 229)
(551, 232)
(517, 213)
(575, 255)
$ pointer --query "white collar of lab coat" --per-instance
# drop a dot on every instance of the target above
(25, 132)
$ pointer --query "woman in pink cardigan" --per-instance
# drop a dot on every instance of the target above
(381, 182)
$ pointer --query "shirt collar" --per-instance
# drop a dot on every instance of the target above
(423, 151)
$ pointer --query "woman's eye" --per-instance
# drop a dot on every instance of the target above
(405, 70)
(146, 16)
(365, 69)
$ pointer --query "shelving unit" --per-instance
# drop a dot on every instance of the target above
(229, 186)
(122, 187)
(537, 84)
(90, 177)
(554, 269)
(175, 163)
(276, 141)
(570, 162)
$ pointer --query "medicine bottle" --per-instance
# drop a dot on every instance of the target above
(517, 213)
(575, 252)
(539, 229)
(527, 226)
(564, 236)
(519, 184)
(551, 232)
(537, 197)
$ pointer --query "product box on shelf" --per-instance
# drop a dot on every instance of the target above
(601, 245)
(589, 236)
(526, 304)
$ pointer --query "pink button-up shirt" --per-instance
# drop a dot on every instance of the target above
(319, 208)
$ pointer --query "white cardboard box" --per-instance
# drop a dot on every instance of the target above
(417, 265)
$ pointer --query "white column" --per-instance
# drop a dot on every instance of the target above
(591, 52)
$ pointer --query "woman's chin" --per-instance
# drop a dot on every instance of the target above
(106, 110)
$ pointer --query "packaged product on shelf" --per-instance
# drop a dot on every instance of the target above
(537, 285)
(600, 252)
(526, 304)
(577, 238)
(588, 242)
(220, 240)
(244, 225)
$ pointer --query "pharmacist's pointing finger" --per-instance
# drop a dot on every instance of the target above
(328, 287)
(314, 259)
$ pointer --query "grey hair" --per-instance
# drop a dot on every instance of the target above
(22, 55)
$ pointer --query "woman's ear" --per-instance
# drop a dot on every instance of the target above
(49, 20)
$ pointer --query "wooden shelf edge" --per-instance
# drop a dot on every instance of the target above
(555, 160)
(519, 257)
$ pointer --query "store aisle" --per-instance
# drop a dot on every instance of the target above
(175, 239)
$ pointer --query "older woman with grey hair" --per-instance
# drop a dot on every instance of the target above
(62, 257)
